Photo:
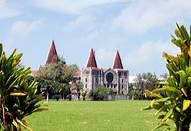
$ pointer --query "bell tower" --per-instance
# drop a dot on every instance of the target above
(122, 75)
(91, 75)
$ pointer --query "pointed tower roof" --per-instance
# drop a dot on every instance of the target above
(52, 56)
(118, 63)
(92, 60)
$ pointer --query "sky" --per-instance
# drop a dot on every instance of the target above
(140, 29)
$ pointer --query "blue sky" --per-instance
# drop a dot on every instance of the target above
(139, 29)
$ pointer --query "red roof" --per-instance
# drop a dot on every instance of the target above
(92, 60)
(52, 56)
(117, 63)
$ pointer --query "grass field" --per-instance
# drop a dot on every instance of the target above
(94, 116)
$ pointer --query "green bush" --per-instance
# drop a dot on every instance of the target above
(18, 94)
(100, 93)
(173, 99)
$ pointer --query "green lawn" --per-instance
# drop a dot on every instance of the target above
(94, 116)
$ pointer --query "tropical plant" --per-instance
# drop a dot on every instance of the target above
(173, 99)
(18, 94)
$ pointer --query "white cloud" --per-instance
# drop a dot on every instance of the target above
(24, 27)
(93, 35)
(6, 10)
(141, 15)
(20, 30)
(85, 26)
(83, 20)
(149, 52)
(72, 6)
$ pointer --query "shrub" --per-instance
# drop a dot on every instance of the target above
(173, 100)
(18, 94)
(100, 93)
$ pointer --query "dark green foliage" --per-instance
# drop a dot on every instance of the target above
(58, 72)
(80, 90)
(53, 88)
(173, 100)
(61, 59)
(131, 92)
(18, 93)
(54, 78)
(100, 93)
(84, 93)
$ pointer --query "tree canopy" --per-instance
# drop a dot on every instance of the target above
(143, 82)
(54, 78)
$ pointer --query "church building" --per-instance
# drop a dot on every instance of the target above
(92, 76)
(115, 78)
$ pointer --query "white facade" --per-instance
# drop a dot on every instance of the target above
(116, 79)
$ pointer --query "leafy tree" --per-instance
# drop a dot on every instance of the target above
(61, 59)
(173, 100)
(131, 91)
(66, 91)
(58, 72)
(55, 78)
(84, 93)
(100, 93)
(51, 88)
(18, 94)
(79, 89)
(143, 82)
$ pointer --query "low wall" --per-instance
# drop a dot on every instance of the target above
(117, 97)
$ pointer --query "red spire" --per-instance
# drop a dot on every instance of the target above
(92, 60)
(52, 56)
(118, 64)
